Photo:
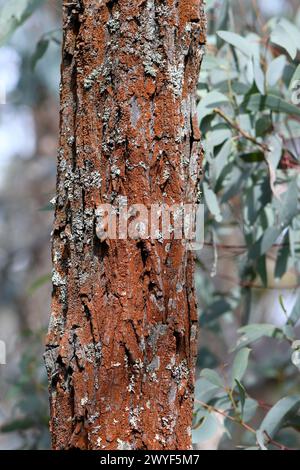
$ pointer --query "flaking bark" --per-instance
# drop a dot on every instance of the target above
(121, 345)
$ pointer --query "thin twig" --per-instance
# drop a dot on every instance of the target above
(241, 423)
(241, 131)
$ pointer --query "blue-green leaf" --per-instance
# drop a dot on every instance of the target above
(295, 77)
(212, 202)
(213, 377)
(209, 102)
(259, 76)
(237, 41)
(275, 70)
(207, 428)
(264, 243)
(254, 332)
(240, 365)
(279, 415)
(295, 315)
(13, 14)
(40, 50)
(281, 37)
(205, 390)
(283, 257)
(258, 102)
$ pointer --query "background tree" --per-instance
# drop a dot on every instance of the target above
(122, 342)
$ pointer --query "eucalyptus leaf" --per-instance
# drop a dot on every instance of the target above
(39, 282)
(254, 332)
(210, 101)
(212, 202)
(13, 14)
(22, 424)
(275, 70)
(295, 77)
(282, 257)
(276, 104)
(295, 315)
(259, 76)
(261, 439)
(205, 390)
(264, 243)
(250, 409)
(240, 365)
(279, 415)
(213, 377)
(41, 49)
(261, 268)
(214, 311)
(242, 394)
(237, 41)
(283, 39)
(206, 430)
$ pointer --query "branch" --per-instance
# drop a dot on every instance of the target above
(241, 423)
(241, 131)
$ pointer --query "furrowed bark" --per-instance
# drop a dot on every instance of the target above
(121, 345)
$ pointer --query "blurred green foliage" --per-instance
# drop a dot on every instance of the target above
(249, 117)
(30, 415)
(13, 14)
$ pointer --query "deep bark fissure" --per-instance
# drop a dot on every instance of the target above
(121, 346)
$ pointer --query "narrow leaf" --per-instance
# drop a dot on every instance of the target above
(213, 377)
(278, 415)
(240, 365)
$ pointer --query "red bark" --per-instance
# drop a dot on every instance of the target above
(122, 338)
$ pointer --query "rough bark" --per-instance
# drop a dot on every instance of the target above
(121, 345)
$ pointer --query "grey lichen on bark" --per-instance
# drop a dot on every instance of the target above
(121, 345)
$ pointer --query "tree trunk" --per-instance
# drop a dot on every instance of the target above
(121, 346)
